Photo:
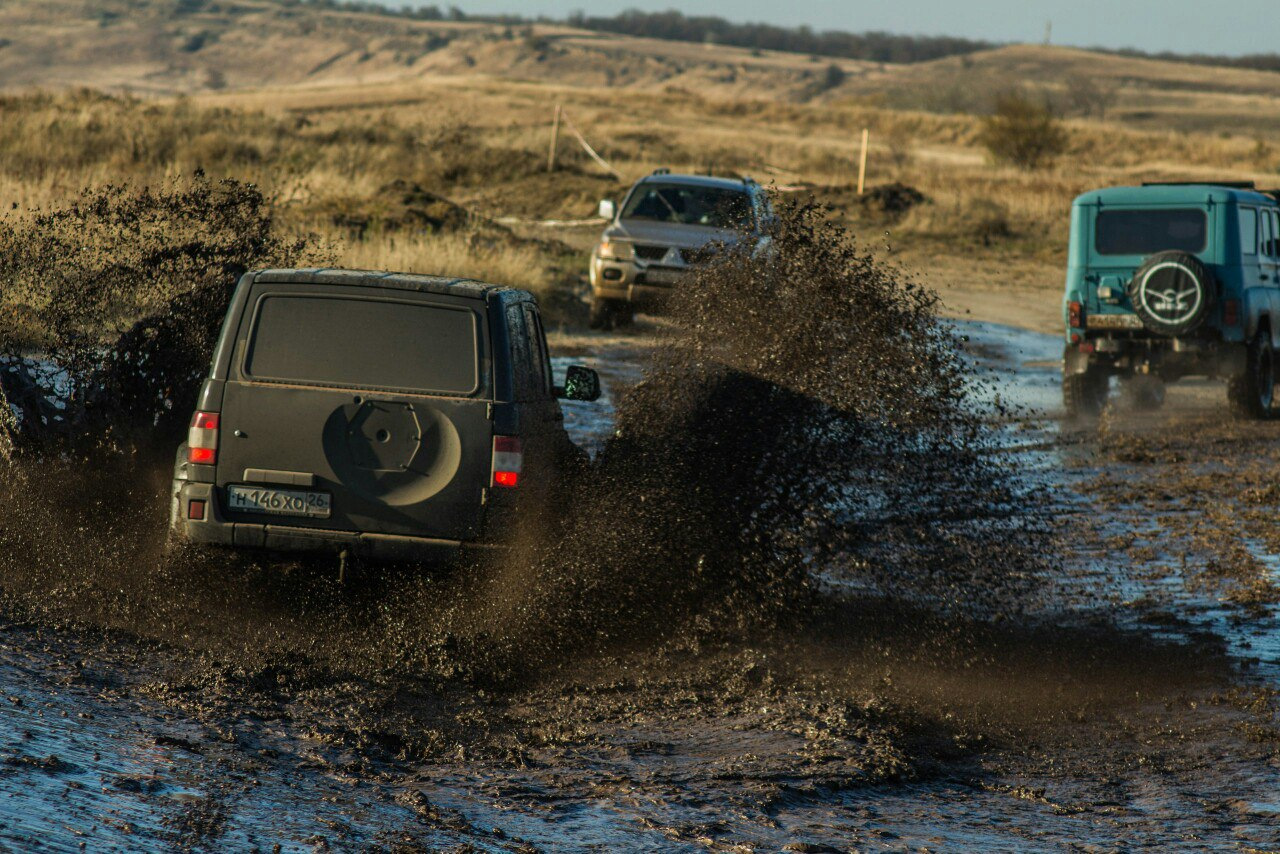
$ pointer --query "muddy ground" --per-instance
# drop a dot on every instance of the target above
(1128, 701)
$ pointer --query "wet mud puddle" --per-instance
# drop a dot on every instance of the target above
(86, 763)
(697, 752)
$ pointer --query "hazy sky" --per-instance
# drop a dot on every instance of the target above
(1225, 27)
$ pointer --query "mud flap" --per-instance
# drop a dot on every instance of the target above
(1232, 360)
(1074, 362)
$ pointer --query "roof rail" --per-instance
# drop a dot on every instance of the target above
(662, 171)
(1235, 185)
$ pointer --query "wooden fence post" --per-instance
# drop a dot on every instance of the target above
(555, 140)
(862, 161)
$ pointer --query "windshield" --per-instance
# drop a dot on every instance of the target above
(687, 204)
(1141, 232)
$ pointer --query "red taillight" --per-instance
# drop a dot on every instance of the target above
(508, 460)
(1231, 312)
(1075, 315)
(202, 439)
(1087, 347)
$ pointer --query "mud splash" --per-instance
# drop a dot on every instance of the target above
(808, 417)
(125, 291)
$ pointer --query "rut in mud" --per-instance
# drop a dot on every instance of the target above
(803, 564)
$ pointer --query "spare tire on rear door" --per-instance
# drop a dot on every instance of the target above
(1171, 293)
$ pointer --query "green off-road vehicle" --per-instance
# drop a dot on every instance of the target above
(1166, 281)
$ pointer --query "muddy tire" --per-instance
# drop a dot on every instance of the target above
(1085, 395)
(1251, 395)
(1143, 393)
(1172, 293)
(623, 314)
(602, 314)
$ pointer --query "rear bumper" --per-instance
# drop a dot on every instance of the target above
(216, 530)
(1169, 358)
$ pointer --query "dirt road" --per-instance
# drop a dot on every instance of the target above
(1130, 701)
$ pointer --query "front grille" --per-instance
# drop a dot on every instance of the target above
(651, 253)
(656, 275)
(700, 255)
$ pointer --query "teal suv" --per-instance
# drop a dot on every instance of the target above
(1166, 281)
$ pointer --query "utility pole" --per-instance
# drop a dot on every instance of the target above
(862, 161)
(555, 140)
(1048, 32)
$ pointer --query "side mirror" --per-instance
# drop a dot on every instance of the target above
(580, 384)
(607, 210)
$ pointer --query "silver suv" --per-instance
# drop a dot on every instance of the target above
(666, 225)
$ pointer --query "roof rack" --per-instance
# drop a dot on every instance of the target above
(662, 171)
(1235, 185)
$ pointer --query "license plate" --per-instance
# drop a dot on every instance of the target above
(281, 502)
(1113, 321)
(662, 277)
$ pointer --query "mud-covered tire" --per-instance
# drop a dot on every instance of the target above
(623, 314)
(1251, 395)
(1085, 395)
(601, 316)
(1172, 293)
(1143, 393)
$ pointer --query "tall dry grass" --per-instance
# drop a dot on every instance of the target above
(466, 255)
(327, 157)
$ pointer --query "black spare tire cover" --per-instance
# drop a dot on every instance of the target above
(1171, 293)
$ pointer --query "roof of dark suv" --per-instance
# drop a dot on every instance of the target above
(374, 279)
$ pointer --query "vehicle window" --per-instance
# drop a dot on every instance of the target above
(689, 205)
(364, 343)
(1143, 231)
(1249, 231)
(1266, 233)
(525, 368)
(539, 341)
(1273, 249)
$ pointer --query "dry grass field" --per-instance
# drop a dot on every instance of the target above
(360, 127)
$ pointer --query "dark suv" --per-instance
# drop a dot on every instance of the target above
(1172, 280)
(384, 415)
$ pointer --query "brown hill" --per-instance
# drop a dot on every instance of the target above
(170, 47)
(1143, 93)
(188, 46)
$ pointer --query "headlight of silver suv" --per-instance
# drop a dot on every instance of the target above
(617, 250)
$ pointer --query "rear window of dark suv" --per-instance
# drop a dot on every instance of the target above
(381, 343)
(1146, 230)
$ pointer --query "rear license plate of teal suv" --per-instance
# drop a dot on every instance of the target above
(1113, 321)
(280, 502)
